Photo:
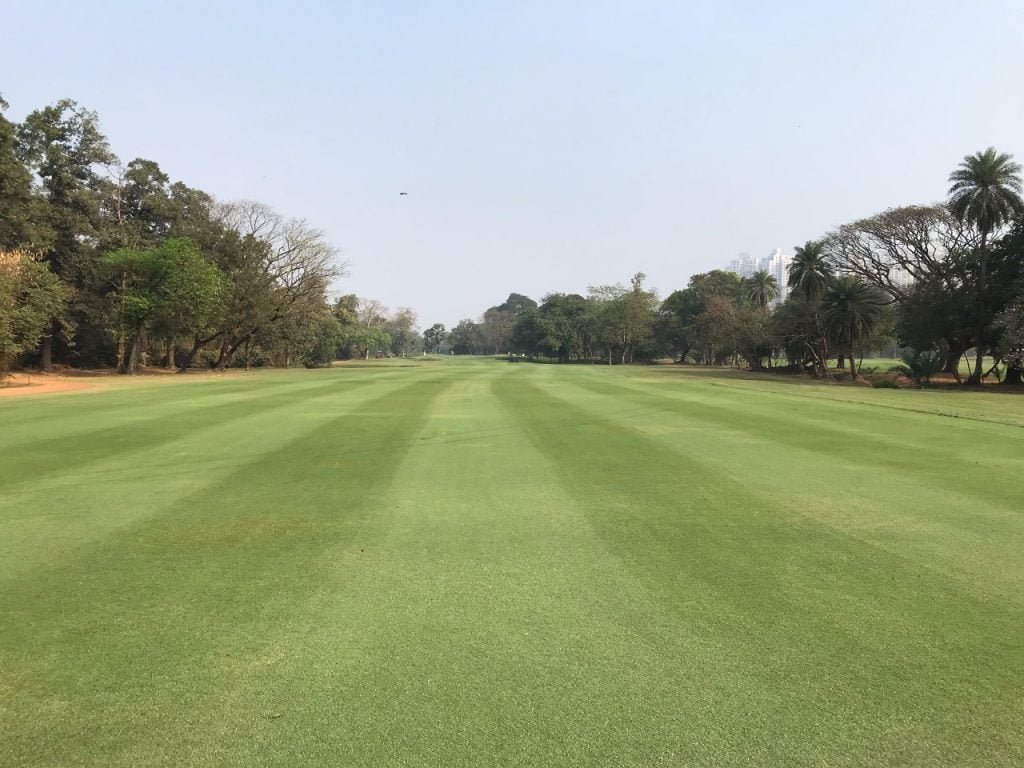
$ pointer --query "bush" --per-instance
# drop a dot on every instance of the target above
(885, 384)
(919, 367)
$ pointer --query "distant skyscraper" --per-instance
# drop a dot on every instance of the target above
(775, 264)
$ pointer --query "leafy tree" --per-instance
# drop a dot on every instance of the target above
(796, 330)
(31, 297)
(985, 193)
(1011, 343)
(401, 327)
(496, 328)
(327, 338)
(851, 310)
(166, 291)
(17, 206)
(276, 264)
(517, 303)
(563, 326)
(465, 338)
(902, 249)
(675, 324)
(623, 317)
(63, 145)
(434, 337)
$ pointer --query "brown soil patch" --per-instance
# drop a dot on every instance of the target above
(22, 384)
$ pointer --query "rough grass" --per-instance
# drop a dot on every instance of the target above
(469, 564)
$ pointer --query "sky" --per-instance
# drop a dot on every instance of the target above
(544, 146)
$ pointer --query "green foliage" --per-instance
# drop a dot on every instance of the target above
(762, 288)
(851, 310)
(809, 271)
(328, 336)
(919, 367)
(986, 190)
(31, 298)
(434, 337)
(465, 338)
(170, 290)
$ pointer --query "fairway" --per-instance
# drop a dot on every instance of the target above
(471, 563)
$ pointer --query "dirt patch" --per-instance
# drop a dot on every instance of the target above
(23, 384)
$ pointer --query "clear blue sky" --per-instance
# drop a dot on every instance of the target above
(544, 145)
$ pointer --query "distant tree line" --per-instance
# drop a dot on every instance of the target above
(945, 282)
(104, 263)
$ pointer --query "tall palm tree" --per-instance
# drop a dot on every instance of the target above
(850, 312)
(809, 275)
(985, 193)
(809, 271)
(762, 288)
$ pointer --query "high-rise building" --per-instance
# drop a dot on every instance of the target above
(775, 264)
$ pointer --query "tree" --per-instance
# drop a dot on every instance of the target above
(465, 338)
(434, 337)
(762, 289)
(809, 276)
(1011, 342)
(63, 145)
(401, 327)
(809, 271)
(326, 338)
(850, 311)
(166, 291)
(517, 303)
(496, 328)
(17, 206)
(675, 324)
(985, 193)
(562, 326)
(31, 298)
(276, 263)
(902, 249)
(623, 317)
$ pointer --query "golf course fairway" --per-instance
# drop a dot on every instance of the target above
(471, 563)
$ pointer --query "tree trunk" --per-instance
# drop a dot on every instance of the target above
(170, 353)
(247, 354)
(46, 353)
(120, 354)
(133, 353)
(1013, 374)
(222, 358)
(979, 328)
(841, 362)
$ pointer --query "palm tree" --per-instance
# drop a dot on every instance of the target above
(762, 289)
(850, 312)
(985, 193)
(809, 272)
(809, 275)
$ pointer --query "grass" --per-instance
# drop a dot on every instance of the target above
(474, 563)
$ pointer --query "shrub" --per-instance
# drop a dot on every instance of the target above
(919, 367)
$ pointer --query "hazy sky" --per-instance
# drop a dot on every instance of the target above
(545, 146)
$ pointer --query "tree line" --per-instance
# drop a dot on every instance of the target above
(944, 282)
(105, 263)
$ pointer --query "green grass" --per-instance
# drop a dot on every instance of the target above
(467, 563)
